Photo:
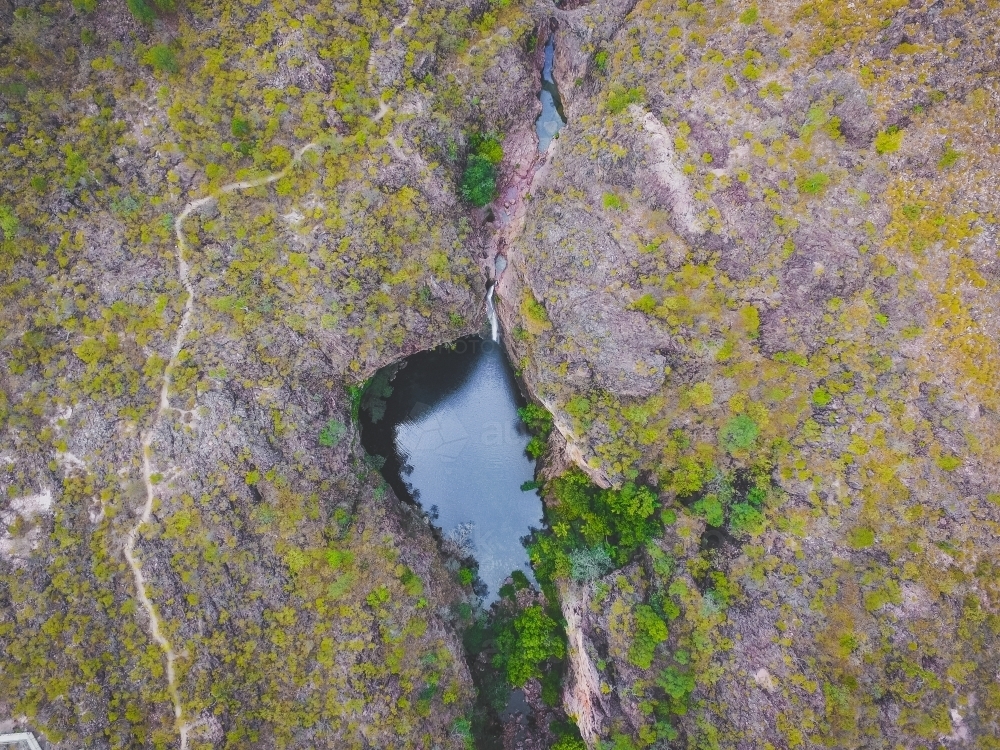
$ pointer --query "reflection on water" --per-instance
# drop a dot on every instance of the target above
(453, 442)
(552, 119)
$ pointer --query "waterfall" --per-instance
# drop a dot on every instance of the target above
(491, 311)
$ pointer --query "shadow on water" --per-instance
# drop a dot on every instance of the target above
(446, 423)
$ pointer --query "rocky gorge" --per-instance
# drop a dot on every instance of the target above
(752, 285)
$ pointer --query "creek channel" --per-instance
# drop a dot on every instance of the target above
(552, 119)
(444, 427)
(445, 422)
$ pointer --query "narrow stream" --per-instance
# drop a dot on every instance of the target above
(446, 423)
(552, 119)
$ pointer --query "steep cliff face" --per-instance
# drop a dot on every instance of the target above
(761, 273)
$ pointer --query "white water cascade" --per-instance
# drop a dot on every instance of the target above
(491, 311)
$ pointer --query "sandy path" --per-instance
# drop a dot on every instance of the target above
(155, 629)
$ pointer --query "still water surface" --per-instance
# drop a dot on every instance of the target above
(453, 443)
(552, 119)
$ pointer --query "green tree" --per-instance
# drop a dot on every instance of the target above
(739, 433)
(677, 684)
(162, 59)
(8, 222)
(240, 127)
(589, 564)
(479, 181)
(746, 519)
(536, 418)
(650, 631)
(526, 643)
(141, 11)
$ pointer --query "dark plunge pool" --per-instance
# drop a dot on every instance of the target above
(446, 423)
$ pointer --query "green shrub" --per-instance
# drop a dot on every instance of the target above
(535, 447)
(889, 593)
(751, 321)
(551, 682)
(749, 15)
(821, 397)
(613, 202)
(240, 127)
(948, 462)
(539, 422)
(814, 183)
(568, 742)
(488, 147)
(650, 631)
(85, 6)
(14, 89)
(375, 395)
(519, 580)
(601, 60)
(590, 564)
(739, 433)
(711, 509)
(620, 98)
(462, 728)
(889, 141)
(479, 181)
(861, 537)
(162, 59)
(536, 311)
(332, 433)
(949, 156)
(578, 407)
